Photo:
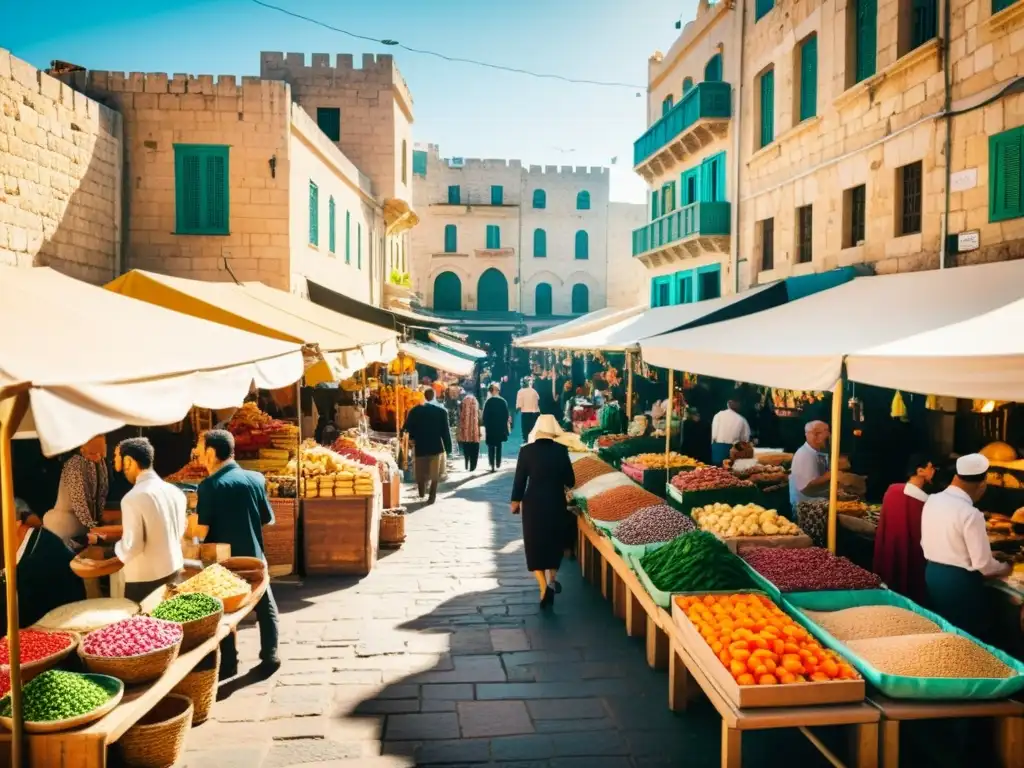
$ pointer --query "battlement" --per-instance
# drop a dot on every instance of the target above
(376, 68)
(579, 171)
(495, 164)
(160, 83)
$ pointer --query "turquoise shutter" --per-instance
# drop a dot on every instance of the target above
(655, 209)
(713, 69)
(329, 121)
(767, 108)
(924, 21)
(330, 225)
(359, 246)
(493, 236)
(201, 189)
(761, 7)
(454, 195)
(867, 38)
(1001, 5)
(497, 195)
(188, 192)
(314, 214)
(348, 237)
(539, 199)
(666, 105)
(582, 245)
(419, 162)
(451, 237)
(687, 85)
(540, 243)
(583, 201)
(809, 78)
(216, 193)
(1006, 175)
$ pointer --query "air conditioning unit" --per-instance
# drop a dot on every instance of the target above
(457, 162)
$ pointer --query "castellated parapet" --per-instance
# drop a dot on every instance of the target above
(377, 69)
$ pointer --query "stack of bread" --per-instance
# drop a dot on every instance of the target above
(364, 483)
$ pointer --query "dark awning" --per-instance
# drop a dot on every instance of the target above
(360, 310)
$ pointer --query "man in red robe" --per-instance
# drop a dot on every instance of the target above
(899, 559)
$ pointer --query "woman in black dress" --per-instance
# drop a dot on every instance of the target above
(497, 425)
(543, 472)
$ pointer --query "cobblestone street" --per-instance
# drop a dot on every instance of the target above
(441, 657)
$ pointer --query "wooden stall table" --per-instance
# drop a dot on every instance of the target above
(341, 535)
(1008, 714)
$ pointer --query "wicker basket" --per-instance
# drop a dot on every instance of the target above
(158, 739)
(200, 685)
(392, 528)
(198, 631)
(37, 667)
(132, 669)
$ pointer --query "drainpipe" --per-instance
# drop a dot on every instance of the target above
(737, 161)
(947, 102)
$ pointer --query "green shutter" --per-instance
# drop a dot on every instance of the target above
(493, 236)
(809, 78)
(314, 214)
(583, 201)
(867, 38)
(582, 245)
(497, 195)
(655, 208)
(1001, 5)
(329, 120)
(1006, 175)
(666, 105)
(540, 199)
(712, 178)
(540, 244)
(348, 237)
(359, 246)
(713, 69)
(691, 187)
(925, 22)
(451, 238)
(767, 107)
(454, 195)
(201, 189)
(687, 85)
(330, 225)
(761, 7)
(419, 162)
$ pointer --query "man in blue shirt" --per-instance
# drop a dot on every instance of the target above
(233, 503)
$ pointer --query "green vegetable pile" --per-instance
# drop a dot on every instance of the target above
(631, 447)
(187, 607)
(57, 695)
(695, 562)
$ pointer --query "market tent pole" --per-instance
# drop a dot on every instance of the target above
(629, 386)
(12, 410)
(668, 418)
(833, 474)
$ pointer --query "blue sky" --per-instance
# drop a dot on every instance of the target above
(470, 111)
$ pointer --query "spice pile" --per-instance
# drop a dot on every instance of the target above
(708, 479)
(86, 615)
(935, 654)
(216, 581)
(132, 637)
(619, 503)
(586, 469)
(601, 484)
(695, 562)
(659, 461)
(759, 643)
(190, 606)
(35, 645)
(57, 695)
(865, 622)
(803, 570)
(742, 520)
(653, 524)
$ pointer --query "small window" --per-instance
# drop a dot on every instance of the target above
(542, 300)
(540, 199)
(807, 72)
(684, 287)
(1001, 5)
(1006, 175)
(712, 179)
(862, 40)
(201, 189)
(314, 214)
(917, 24)
(405, 162)
(709, 283)
(331, 226)
(761, 8)
(583, 201)
(668, 197)
(580, 299)
(689, 183)
(666, 105)
(854, 215)
(908, 198)
(497, 195)
(661, 291)
(451, 238)
(419, 163)
(804, 235)
(582, 245)
(713, 69)
(348, 237)
(767, 108)
(767, 244)
(687, 85)
(454, 195)
(540, 244)
(493, 236)
(329, 120)
(655, 204)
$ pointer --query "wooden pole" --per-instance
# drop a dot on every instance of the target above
(833, 482)
(629, 386)
(668, 417)
(12, 410)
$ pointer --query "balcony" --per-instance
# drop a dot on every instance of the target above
(699, 119)
(694, 230)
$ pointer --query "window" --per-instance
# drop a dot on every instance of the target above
(582, 245)
(908, 191)
(580, 299)
(542, 300)
(583, 201)
(314, 214)
(493, 236)
(419, 163)
(454, 195)
(761, 7)
(807, 73)
(854, 214)
(713, 69)
(689, 183)
(804, 235)
(862, 20)
(709, 282)
(712, 175)
(329, 120)
(767, 107)
(666, 105)
(348, 237)
(668, 198)
(359, 248)
(687, 85)
(1001, 5)
(1006, 175)
(684, 288)
(492, 291)
(405, 162)
(661, 291)
(448, 292)
(917, 23)
(767, 244)
(655, 204)
(540, 199)
(540, 244)
(330, 226)
(497, 194)
(201, 189)
(451, 238)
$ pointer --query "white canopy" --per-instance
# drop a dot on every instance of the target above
(435, 357)
(592, 321)
(878, 322)
(458, 346)
(96, 360)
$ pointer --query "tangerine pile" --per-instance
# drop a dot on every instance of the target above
(759, 643)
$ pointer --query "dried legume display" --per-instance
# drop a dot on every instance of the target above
(619, 503)
(742, 520)
(809, 569)
(216, 581)
(935, 654)
(659, 461)
(708, 479)
(58, 695)
(190, 606)
(695, 562)
(864, 622)
(759, 643)
(132, 637)
(588, 468)
(601, 484)
(653, 524)
(86, 615)
(35, 645)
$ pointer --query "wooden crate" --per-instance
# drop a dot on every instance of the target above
(744, 696)
(393, 492)
(341, 535)
(279, 540)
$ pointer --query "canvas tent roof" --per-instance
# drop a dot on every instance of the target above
(435, 357)
(589, 323)
(457, 346)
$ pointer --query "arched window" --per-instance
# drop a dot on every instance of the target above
(405, 162)
(492, 291)
(542, 300)
(448, 292)
(580, 299)
(687, 85)
(540, 198)
(540, 244)
(583, 201)
(713, 69)
(582, 245)
(451, 238)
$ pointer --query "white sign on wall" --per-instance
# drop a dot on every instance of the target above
(963, 180)
(968, 241)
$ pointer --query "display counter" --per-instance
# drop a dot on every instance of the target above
(341, 534)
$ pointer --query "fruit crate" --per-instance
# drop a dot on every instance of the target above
(684, 501)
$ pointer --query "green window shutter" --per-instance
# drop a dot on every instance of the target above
(767, 107)
(540, 199)
(761, 7)
(454, 195)
(582, 245)
(330, 225)
(348, 237)
(867, 38)
(668, 197)
(540, 243)
(201, 189)
(583, 201)
(188, 192)
(655, 209)
(691, 187)
(419, 162)
(451, 238)
(809, 78)
(687, 85)
(359, 246)
(314, 214)
(1001, 5)
(497, 195)
(329, 120)
(493, 236)
(924, 23)
(1006, 175)
(713, 69)
(542, 299)
(580, 299)
(666, 105)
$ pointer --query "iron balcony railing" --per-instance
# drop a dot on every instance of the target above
(707, 219)
(703, 100)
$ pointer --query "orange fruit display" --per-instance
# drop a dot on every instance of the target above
(759, 643)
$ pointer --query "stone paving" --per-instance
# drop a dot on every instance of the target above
(442, 657)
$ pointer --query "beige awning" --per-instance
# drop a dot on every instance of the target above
(593, 321)
(435, 357)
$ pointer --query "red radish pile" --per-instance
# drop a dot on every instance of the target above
(5, 683)
(808, 569)
(35, 645)
(132, 637)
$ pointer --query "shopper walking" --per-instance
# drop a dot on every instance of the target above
(427, 426)
(469, 430)
(528, 405)
(543, 472)
(497, 425)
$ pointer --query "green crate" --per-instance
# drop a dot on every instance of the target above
(685, 501)
(637, 550)
(662, 599)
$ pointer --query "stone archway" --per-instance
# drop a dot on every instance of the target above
(492, 292)
(447, 292)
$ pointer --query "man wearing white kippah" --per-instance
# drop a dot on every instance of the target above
(956, 546)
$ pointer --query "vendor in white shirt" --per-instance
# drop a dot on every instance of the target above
(956, 546)
(728, 428)
(809, 472)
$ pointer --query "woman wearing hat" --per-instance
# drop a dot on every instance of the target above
(543, 472)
